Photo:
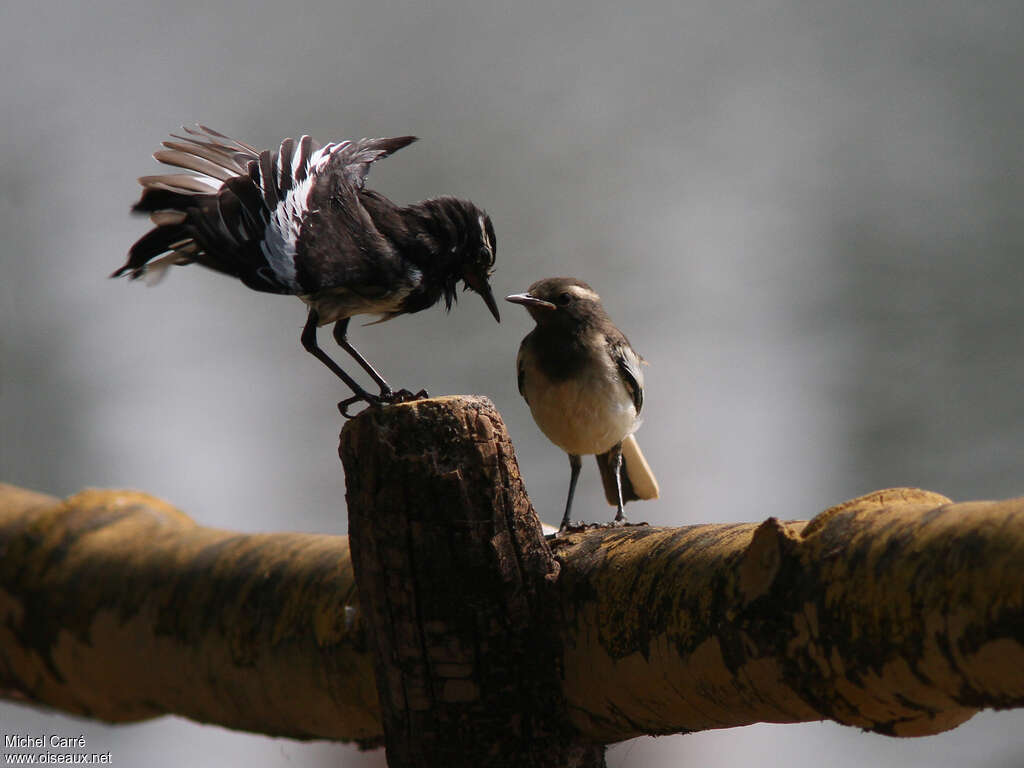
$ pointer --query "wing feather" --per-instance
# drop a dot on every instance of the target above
(628, 363)
(191, 161)
(220, 156)
(354, 158)
(285, 174)
(301, 163)
(242, 211)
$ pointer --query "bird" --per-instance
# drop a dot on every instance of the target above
(583, 383)
(300, 221)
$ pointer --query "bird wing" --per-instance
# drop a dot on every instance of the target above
(302, 181)
(521, 371)
(242, 211)
(335, 241)
(352, 159)
(237, 210)
(628, 363)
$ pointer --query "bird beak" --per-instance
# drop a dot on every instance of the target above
(488, 298)
(481, 286)
(529, 301)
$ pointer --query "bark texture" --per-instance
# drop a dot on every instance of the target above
(457, 582)
(898, 612)
(116, 606)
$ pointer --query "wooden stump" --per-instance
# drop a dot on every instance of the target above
(457, 585)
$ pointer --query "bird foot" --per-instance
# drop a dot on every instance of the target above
(625, 524)
(386, 397)
(570, 527)
(580, 526)
(404, 396)
(370, 400)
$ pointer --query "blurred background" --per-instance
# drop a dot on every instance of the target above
(806, 216)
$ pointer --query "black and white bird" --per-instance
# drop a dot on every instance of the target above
(585, 388)
(300, 221)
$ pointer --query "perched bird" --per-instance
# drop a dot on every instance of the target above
(583, 383)
(300, 221)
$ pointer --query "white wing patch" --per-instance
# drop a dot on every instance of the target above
(318, 160)
(279, 245)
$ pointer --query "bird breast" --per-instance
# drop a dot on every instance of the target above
(334, 304)
(585, 413)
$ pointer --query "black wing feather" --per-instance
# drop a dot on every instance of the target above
(355, 157)
(306, 146)
(235, 211)
(628, 363)
(154, 243)
(266, 180)
(284, 167)
(223, 211)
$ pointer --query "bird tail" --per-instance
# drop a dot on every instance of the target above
(637, 478)
(213, 214)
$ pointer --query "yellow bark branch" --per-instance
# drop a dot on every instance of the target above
(115, 605)
(898, 612)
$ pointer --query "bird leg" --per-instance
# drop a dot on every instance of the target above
(616, 462)
(308, 339)
(386, 393)
(574, 474)
(341, 336)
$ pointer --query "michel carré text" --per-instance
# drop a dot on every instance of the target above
(25, 741)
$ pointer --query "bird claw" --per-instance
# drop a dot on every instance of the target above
(581, 525)
(404, 396)
(384, 398)
(570, 527)
(370, 400)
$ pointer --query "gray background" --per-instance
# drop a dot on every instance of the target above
(807, 216)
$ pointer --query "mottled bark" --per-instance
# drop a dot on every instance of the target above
(458, 585)
(115, 605)
(898, 612)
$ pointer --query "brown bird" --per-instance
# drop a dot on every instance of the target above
(585, 388)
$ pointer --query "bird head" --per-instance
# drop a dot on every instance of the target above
(478, 254)
(463, 245)
(560, 301)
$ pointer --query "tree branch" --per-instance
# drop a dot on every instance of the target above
(898, 612)
(116, 606)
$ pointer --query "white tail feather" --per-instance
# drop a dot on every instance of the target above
(639, 471)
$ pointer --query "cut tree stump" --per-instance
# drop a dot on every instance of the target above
(457, 587)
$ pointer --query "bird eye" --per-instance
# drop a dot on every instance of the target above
(564, 299)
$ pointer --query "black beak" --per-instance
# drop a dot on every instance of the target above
(480, 285)
(529, 301)
(488, 297)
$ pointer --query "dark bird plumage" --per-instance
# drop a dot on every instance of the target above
(300, 221)
(585, 387)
